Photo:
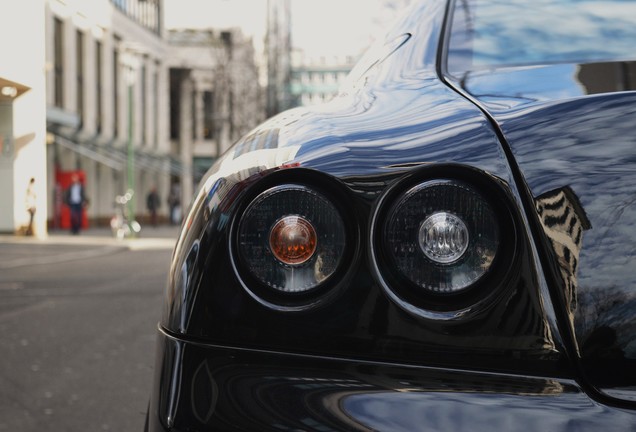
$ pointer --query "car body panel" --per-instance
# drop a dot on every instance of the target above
(576, 153)
(207, 387)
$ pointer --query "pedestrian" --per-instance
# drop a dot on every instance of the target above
(30, 199)
(152, 204)
(75, 198)
(175, 204)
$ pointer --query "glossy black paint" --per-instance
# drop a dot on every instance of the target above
(231, 360)
(232, 389)
(384, 135)
(582, 183)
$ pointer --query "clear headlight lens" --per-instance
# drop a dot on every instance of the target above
(441, 235)
(291, 238)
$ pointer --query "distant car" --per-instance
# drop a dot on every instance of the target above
(449, 245)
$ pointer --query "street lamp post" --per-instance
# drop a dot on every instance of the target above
(131, 63)
(130, 160)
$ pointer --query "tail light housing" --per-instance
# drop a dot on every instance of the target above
(442, 245)
(290, 241)
(442, 236)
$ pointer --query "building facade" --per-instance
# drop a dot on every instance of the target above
(314, 81)
(22, 117)
(215, 95)
(278, 46)
(102, 91)
(107, 96)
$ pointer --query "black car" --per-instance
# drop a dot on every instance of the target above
(449, 245)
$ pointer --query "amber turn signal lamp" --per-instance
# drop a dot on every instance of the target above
(293, 240)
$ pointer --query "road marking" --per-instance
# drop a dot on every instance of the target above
(60, 258)
(11, 286)
(36, 307)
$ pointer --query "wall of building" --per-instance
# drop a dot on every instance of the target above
(278, 55)
(22, 117)
(225, 69)
(73, 110)
(317, 80)
(94, 128)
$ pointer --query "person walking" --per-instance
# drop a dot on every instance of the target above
(75, 198)
(30, 200)
(175, 204)
(152, 204)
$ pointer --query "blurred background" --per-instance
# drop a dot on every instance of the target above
(132, 96)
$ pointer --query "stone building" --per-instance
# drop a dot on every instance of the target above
(317, 80)
(101, 90)
(215, 95)
(278, 46)
(22, 116)
(106, 97)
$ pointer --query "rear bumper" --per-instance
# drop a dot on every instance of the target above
(204, 387)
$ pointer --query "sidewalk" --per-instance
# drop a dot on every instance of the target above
(161, 237)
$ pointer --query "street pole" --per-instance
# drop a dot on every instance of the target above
(130, 177)
(131, 60)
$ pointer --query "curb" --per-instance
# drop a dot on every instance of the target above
(130, 244)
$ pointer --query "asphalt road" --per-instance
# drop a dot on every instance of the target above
(77, 334)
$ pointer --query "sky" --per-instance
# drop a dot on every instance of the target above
(319, 27)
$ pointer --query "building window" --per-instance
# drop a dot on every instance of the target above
(144, 103)
(208, 114)
(79, 68)
(194, 114)
(200, 165)
(98, 86)
(144, 12)
(155, 105)
(58, 71)
(175, 104)
(115, 92)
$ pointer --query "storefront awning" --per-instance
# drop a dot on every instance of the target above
(117, 157)
(89, 153)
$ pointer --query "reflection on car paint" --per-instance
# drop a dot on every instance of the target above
(491, 34)
(251, 390)
(564, 221)
(586, 144)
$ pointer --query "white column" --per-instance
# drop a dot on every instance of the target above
(23, 117)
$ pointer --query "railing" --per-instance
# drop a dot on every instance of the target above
(147, 13)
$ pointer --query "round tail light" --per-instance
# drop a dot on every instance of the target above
(441, 236)
(444, 248)
(291, 239)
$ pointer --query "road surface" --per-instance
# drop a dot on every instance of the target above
(77, 334)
